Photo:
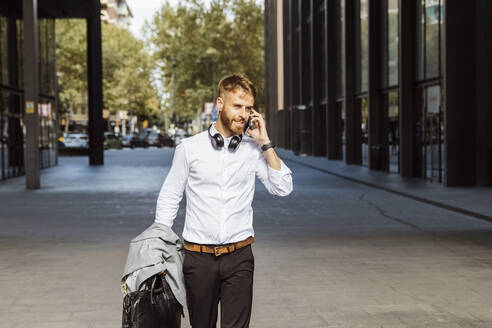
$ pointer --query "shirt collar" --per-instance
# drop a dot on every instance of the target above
(213, 131)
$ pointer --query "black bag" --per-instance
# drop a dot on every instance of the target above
(153, 306)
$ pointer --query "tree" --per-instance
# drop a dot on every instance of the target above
(127, 78)
(71, 49)
(127, 70)
(200, 44)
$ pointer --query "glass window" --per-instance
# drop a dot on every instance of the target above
(363, 47)
(391, 101)
(4, 74)
(322, 58)
(20, 49)
(341, 113)
(42, 55)
(12, 135)
(420, 39)
(296, 31)
(392, 42)
(306, 51)
(433, 129)
(428, 39)
(287, 55)
(364, 129)
(47, 57)
(47, 132)
(3, 133)
(432, 17)
(340, 48)
(12, 128)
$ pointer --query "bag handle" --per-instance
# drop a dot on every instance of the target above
(159, 290)
(152, 290)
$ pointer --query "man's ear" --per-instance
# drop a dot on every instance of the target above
(220, 103)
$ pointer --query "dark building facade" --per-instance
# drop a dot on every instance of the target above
(28, 88)
(398, 86)
(12, 127)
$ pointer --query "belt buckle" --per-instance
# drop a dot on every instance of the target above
(216, 251)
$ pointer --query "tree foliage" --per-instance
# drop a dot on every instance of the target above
(127, 70)
(71, 67)
(201, 43)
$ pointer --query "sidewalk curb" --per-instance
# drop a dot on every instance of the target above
(455, 209)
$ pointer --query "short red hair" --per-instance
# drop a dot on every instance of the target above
(236, 81)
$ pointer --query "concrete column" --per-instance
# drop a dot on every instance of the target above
(333, 119)
(288, 96)
(377, 135)
(483, 66)
(409, 160)
(31, 91)
(305, 60)
(460, 93)
(318, 123)
(296, 83)
(352, 120)
(94, 76)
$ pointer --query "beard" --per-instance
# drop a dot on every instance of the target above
(235, 126)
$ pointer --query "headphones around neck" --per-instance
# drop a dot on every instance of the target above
(218, 141)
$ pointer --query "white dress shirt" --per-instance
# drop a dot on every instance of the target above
(219, 186)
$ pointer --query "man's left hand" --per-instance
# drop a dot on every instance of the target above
(259, 134)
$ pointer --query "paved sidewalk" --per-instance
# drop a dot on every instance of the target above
(332, 254)
(472, 201)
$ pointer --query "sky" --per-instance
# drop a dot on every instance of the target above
(143, 10)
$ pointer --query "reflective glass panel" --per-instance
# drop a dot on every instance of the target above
(340, 48)
(364, 128)
(322, 58)
(432, 41)
(364, 45)
(392, 42)
(393, 132)
(420, 39)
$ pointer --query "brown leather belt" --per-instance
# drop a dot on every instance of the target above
(220, 249)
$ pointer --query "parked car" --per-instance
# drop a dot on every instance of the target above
(133, 140)
(111, 141)
(76, 140)
(179, 135)
(143, 138)
(159, 140)
(167, 140)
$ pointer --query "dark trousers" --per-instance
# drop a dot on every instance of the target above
(227, 278)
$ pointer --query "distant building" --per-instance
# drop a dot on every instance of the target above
(116, 12)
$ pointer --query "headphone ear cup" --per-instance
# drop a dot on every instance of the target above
(216, 139)
(234, 144)
(219, 141)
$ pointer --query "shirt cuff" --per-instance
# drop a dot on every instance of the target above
(284, 170)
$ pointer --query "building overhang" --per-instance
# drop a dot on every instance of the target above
(54, 8)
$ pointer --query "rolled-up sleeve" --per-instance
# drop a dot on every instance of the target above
(173, 187)
(277, 182)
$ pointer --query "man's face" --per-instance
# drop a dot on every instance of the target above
(234, 110)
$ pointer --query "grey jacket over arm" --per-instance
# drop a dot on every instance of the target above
(157, 249)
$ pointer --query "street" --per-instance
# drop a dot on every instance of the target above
(332, 254)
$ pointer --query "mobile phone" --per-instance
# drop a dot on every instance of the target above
(249, 125)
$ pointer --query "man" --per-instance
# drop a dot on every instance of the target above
(216, 169)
